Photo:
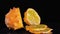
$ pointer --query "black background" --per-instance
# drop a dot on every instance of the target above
(47, 10)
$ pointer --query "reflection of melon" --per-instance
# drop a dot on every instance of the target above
(31, 17)
(13, 19)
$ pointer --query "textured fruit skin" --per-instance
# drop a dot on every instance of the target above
(13, 19)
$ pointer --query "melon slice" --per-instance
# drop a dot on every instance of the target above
(31, 17)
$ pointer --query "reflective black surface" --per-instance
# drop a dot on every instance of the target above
(44, 8)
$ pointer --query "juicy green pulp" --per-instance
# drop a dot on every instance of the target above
(33, 16)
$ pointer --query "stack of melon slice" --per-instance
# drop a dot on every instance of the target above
(32, 19)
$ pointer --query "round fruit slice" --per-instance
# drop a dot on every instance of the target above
(31, 17)
(36, 27)
(47, 30)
